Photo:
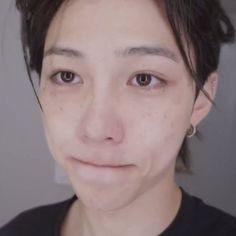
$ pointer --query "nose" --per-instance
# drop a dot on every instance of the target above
(101, 124)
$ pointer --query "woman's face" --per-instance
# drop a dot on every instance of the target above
(117, 99)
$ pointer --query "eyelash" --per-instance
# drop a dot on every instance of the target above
(142, 75)
(60, 81)
(159, 82)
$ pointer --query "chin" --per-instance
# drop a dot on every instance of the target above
(105, 198)
(103, 202)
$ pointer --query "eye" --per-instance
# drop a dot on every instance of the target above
(66, 77)
(146, 80)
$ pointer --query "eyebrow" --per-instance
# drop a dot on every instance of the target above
(148, 51)
(132, 51)
(59, 51)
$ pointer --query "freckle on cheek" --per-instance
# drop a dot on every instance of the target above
(148, 115)
(43, 89)
(52, 94)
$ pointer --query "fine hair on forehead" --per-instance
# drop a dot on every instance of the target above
(200, 25)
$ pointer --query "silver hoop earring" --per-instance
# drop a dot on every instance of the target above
(191, 131)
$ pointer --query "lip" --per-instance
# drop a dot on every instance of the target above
(102, 173)
(100, 164)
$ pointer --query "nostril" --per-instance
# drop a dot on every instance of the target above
(110, 139)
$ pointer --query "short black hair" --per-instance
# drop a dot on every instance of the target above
(200, 25)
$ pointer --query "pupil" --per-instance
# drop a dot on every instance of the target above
(143, 79)
(67, 76)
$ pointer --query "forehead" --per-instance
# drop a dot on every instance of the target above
(109, 24)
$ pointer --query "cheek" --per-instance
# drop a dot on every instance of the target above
(158, 130)
(59, 122)
(156, 133)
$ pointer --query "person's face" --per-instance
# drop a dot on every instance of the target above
(117, 99)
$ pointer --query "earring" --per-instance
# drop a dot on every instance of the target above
(191, 131)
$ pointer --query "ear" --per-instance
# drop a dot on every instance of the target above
(203, 104)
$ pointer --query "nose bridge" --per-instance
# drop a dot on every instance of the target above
(100, 122)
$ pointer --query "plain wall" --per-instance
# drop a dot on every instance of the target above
(27, 171)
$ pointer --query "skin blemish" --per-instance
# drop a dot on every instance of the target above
(165, 116)
(52, 94)
(148, 115)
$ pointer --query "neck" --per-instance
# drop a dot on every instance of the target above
(150, 214)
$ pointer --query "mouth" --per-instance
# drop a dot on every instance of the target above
(100, 164)
(99, 172)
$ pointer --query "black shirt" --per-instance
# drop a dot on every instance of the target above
(194, 218)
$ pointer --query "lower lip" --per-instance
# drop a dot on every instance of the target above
(101, 174)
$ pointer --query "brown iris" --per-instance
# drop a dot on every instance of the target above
(144, 79)
(67, 77)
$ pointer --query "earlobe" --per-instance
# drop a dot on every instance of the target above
(204, 102)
